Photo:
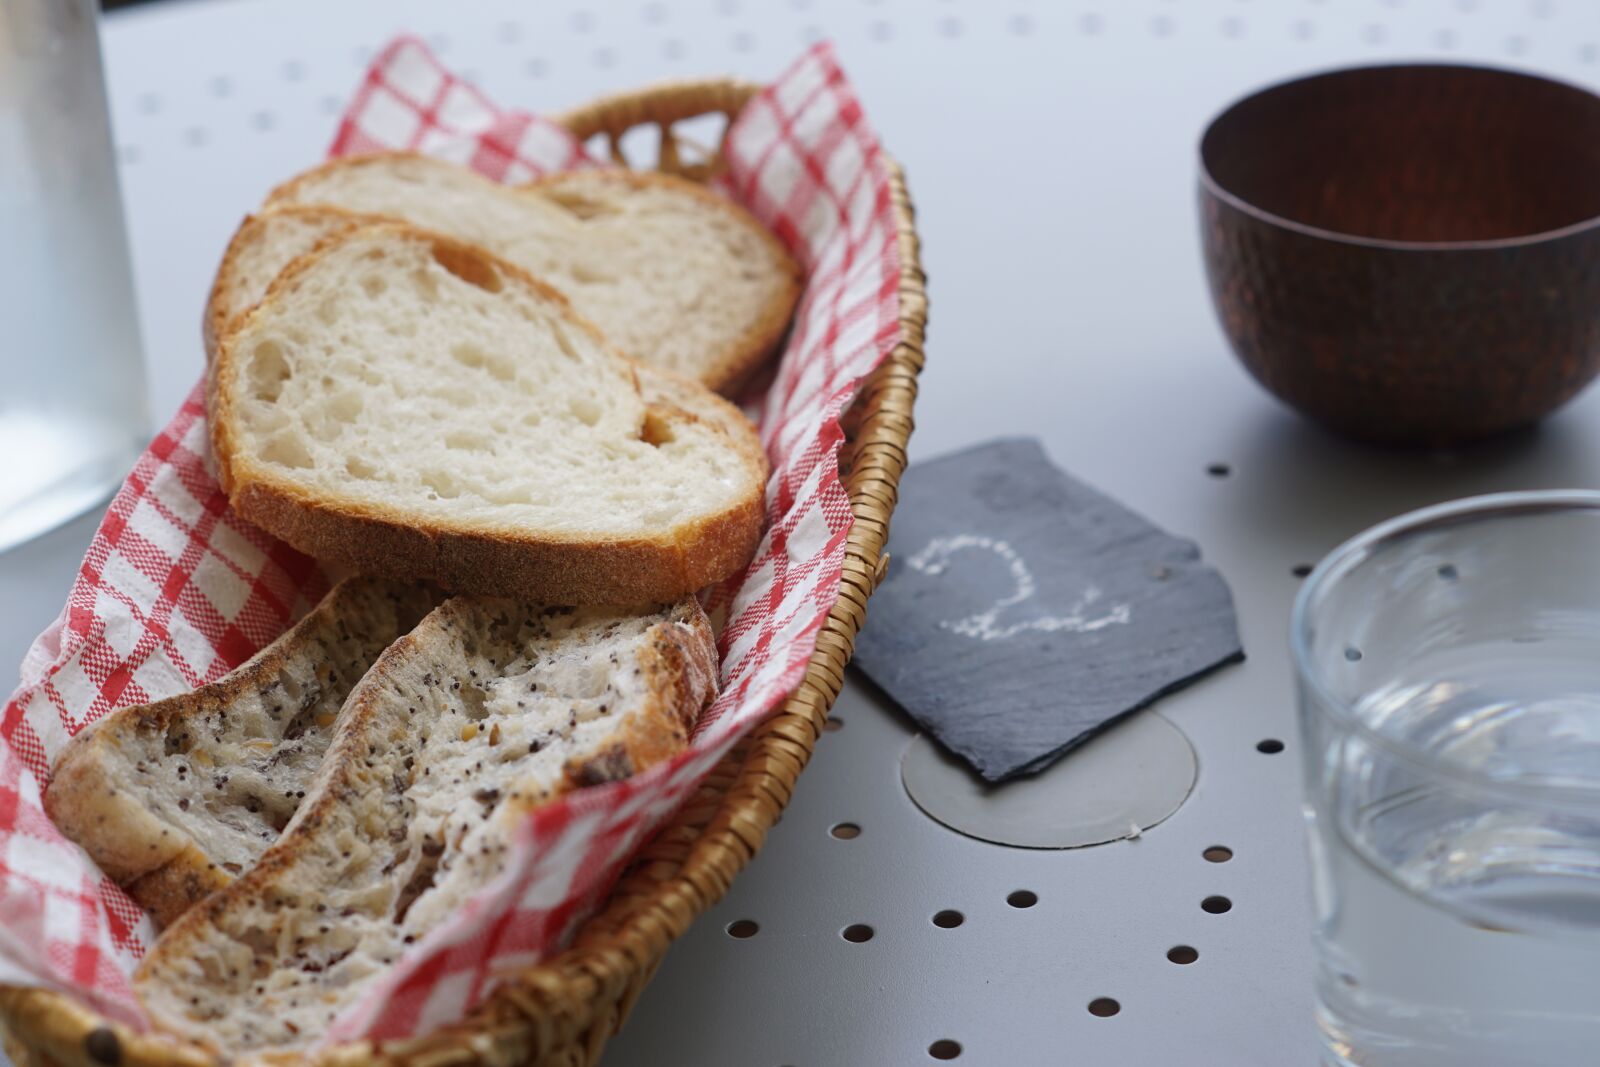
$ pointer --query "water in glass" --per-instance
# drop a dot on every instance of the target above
(72, 399)
(1450, 701)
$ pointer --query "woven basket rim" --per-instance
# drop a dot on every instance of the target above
(564, 1009)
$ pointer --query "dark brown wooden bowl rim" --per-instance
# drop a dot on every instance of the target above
(1214, 188)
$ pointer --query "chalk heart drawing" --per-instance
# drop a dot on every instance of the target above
(934, 559)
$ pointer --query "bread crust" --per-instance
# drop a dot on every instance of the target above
(573, 569)
(726, 371)
(733, 366)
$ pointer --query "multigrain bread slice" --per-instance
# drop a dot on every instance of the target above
(176, 798)
(487, 710)
(262, 246)
(676, 276)
(410, 406)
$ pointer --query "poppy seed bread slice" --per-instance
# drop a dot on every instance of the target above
(487, 710)
(176, 798)
(410, 406)
(673, 274)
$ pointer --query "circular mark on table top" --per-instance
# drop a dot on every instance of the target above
(882, 30)
(1269, 746)
(944, 1049)
(948, 919)
(1445, 38)
(1216, 905)
(845, 831)
(1372, 33)
(857, 933)
(262, 120)
(1022, 898)
(1117, 785)
(294, 71)
(1183, 955)
(673, 48)
(655, 13)
(1300, 570)
(534, 68)
(1447, 572)
(582, 21)
(833, 724)
(149, 104)
(743, 928)
(1217, 854)
(1104, 1007)
(1219, 470)
(1091, 23)
(194, 137)
(604, 57)
(950, 26)
(1352, 654)
(221, 86)
(743, 41)
(508, 32)
(1021, 25)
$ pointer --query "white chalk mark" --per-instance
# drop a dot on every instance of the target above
(935, 558)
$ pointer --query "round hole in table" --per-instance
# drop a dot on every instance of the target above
(1022, 898)
(1104, 1007)
(1216, 905)
(846, 831)
(1269, 746)
(1217, 853)
(857, 933)
(833, 725)
(944, 1049)
(948, 919)
(1300, 570)
(743, 928)
(1219, 470)
(1183, 955)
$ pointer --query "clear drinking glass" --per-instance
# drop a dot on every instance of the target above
(1449, 680)
(72, 397)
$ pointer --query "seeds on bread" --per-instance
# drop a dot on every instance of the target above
(410, 406)
(487, 710)
(176, 798)
(673, 274)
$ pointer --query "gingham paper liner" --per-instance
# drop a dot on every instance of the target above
(175, 590)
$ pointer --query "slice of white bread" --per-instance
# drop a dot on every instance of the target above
(676, 276)
(173, 799)
(487, 710)
(262, 246)
(410, 406)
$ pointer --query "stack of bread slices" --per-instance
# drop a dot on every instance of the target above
(496, 409)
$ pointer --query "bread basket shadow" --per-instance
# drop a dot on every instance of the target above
(562, 1012)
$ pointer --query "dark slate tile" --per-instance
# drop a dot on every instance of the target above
(1024, 611)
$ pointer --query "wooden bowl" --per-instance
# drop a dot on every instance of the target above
(1409, 254)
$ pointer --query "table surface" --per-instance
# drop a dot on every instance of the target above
(1050, 150)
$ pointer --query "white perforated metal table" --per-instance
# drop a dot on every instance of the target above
(1050, 152)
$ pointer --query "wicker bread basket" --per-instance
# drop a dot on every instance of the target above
(561, 1013)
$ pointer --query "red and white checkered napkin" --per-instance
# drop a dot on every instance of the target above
(176, 590)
